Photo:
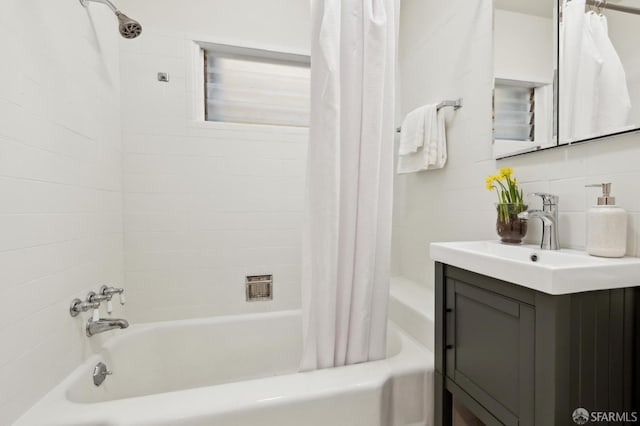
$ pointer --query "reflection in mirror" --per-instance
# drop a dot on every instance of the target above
(524, 70)
(599, 69)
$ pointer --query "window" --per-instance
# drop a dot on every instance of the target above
(513, 112)
(256, 87)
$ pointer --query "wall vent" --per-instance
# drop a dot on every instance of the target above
(259, 287)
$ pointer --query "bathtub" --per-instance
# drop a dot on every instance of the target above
(237, 370)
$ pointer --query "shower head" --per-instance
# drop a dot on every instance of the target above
(129, 28)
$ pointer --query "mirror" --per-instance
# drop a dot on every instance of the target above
(558, 84)
(599, 69)
(524, 72)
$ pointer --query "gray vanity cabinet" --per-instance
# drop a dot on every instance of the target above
(489, 350)
(518, 357)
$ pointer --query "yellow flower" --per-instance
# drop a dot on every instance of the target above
(489, 180)
(506, 172)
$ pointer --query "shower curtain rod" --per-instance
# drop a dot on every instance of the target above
(616, 7)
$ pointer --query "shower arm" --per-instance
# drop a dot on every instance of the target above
(111, 6)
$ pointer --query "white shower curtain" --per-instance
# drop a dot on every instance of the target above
(350, 170)
(594, 98)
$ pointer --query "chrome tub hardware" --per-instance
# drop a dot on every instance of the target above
(108, 292)
(104, 324)
(549, 217)
(92, 296)
(100, 373)
(78, 306)
(95, 324)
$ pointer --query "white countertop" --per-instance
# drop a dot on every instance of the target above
(553, 272)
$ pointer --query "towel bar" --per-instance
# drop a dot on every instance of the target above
(456, 104)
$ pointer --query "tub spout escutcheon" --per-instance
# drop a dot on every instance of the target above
(100, 372)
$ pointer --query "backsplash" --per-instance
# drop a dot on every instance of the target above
(453, 204)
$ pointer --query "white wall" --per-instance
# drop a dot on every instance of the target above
(284, 24)
(523, 47)
(60, 187)
(437, 63)
(452, 204)
(207, 203)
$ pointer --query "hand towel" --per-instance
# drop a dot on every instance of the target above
(431, 153)
(412, 131)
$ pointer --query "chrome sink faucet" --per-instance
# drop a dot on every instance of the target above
(549, 217)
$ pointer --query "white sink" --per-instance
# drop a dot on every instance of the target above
(553, 272)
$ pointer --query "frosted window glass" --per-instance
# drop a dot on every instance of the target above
(255, 90)
(513, 117)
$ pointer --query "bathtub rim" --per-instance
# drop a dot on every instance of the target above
(228, 397)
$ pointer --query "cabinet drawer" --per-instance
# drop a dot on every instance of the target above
(489, 342)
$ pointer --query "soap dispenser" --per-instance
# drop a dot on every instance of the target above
(606, 226)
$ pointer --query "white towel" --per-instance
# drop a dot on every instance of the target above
(430, 150)
(413, 129)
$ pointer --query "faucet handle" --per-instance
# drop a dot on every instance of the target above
(78, 306)
(547, 199)
(92, 296)
(110, 291)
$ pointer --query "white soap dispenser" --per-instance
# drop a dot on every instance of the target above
(606, 226)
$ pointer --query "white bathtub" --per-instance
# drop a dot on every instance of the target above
(240, 371)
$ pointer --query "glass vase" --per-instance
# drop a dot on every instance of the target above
(509, 227)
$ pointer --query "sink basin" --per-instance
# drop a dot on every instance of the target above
(553, 272)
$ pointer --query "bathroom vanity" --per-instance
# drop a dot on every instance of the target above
(513, 354)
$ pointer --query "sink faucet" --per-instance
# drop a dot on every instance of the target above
(102, 325)
(549, 217)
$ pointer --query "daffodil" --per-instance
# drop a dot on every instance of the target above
(489, 181)
(506, 172)
(506, 189)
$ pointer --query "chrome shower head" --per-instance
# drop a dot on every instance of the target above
(129, 28)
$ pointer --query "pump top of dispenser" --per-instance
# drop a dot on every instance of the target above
(606, 199)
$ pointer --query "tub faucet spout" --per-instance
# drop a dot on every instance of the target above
(102, 325)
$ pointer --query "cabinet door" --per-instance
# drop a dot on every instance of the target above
(489, 350)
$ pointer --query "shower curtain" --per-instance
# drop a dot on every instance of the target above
(349, 183)
(594, 98)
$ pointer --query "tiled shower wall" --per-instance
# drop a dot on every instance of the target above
(206, 203)
(445, 54)
(60, 187)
